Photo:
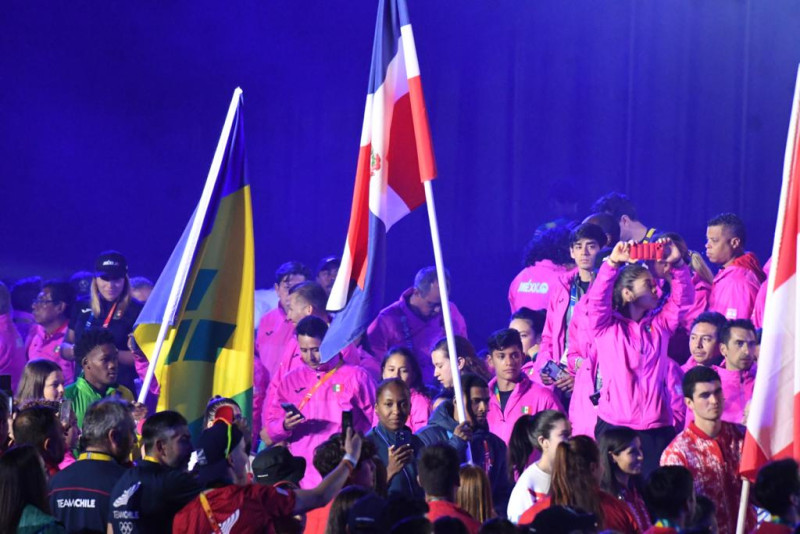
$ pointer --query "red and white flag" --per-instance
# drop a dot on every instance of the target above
(773, 423)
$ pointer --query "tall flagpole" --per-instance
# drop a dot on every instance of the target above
(191, 245)
(448, 322)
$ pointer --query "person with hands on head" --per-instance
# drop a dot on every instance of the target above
(631, 332)
(397, 446)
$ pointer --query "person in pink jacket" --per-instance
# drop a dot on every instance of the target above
(704, 340)
(631, 334)
(51, 311)
(582, 361)
(274, 332)
(12, 349)
(737, 343)
(320, 392)
(733, 293)
(761, 298)
(400, 363)
(585, 243)
(415, 321)
(546, 259)
(513, 393)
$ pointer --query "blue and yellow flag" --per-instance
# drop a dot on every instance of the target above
(208, 349)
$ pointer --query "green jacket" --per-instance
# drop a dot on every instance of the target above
(83, 394)
(34, 521)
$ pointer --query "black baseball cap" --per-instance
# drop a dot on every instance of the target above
(111, 264)
(277, 464)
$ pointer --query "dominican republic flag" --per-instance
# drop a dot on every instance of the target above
(395, 158)
(773, 423)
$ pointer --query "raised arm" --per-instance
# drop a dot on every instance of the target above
(324, 493)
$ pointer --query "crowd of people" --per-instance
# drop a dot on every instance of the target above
(613, 399)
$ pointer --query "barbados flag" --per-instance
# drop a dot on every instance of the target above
(395, 158)
(207, 291)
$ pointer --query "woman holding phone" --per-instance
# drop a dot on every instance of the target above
(397, 446)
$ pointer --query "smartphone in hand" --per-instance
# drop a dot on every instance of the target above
(291, 409)
(347, 422)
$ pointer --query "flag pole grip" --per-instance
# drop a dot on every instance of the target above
(448, 321)
(745, 497)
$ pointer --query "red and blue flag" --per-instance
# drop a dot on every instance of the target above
(395, 158)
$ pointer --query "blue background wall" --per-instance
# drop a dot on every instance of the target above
(109, 115)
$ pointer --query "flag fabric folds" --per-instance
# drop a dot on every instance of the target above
(394, 159)
(208, 349)
(773, 423)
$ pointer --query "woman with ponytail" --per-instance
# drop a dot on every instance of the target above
(577, 472)
(631, 329)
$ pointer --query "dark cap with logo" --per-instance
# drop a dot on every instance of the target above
(277, 464)
(111, 264)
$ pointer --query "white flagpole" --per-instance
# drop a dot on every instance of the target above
(448, 322)
(184, 266)
(743, 506)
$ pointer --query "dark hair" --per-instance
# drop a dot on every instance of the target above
(725, 333)
(608, 223)
(713, 318)
(215, 403)
(525, 438)
(329, 453)
(391, 382)
(469, 381)
(776, 482)
(588, 231)
(697, 374)
(312, 293)
(159, 426)
(416, 373)
(503, 339)
(464, 349)
(614, 441)
(311, 326)
(733, 223)
(616, 205)
(573, 483)
(22, 483)
(552, 244)
(498, 525)
(289, 268)
(438, 467)
(667, 491)
(102, 417)
(535, 318)
(340, 507)
(94, 337)
(61, 291)
(399, 508)
(425, 278)
(627, 275)
(24, 292)
(449, 525)
(36, 423)
(34, 376)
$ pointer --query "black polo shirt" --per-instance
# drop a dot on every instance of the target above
(147, 497)
(79, 495)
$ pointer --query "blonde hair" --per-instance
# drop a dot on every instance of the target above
(475, 493)
(124, 298)
(700, 267)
